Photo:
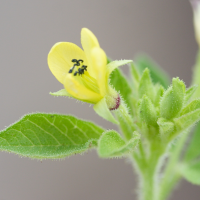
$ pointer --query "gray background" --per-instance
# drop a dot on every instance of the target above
(28, 29)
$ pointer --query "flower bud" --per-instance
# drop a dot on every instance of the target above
(196, 10)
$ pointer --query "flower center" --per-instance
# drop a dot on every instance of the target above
(80, 70)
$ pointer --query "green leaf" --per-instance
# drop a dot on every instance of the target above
(189, 92)
(147, 111)
(187, 120)
(191, 173)
(159, 93)
(112, 65)
(193, 150)
(146, 86)
(135, 76)
(49, 136)
(112, 145)
(158, 75)
(191, 107)
(173, 99)
(120, 83)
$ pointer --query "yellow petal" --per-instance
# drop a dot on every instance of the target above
(89, 41)
(79, 91)
(99, 61)
(60, 58)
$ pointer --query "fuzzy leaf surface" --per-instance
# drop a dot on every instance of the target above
(146, 86)
(187, 120)
(173, 99)
(112, 145)
(49, 136)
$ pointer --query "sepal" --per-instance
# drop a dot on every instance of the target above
(102, 109)
(62, 92)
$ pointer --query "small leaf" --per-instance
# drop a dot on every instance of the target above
(147, 111)
(193, 150)
(112, 65)
(191, 107)
(62, 92)
(159, 93)
(191, 173)
(158, 75)
(187, 120)
(102, 110)
(189, 92)
(112, 145)
(173, 99)
(166, 127)
(49, 136)
(120, 83)
(146, 86)
(135, 75)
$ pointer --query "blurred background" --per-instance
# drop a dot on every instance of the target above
(28, 29)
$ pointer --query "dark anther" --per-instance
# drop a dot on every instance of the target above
(74, 60)
(84, 67)
(72, 68)
(80, 71)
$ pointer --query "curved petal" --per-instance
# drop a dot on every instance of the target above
(99, 61)
(89, 41)
(79, 91)
(60, 58)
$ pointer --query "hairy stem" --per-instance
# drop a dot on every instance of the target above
(171, 177)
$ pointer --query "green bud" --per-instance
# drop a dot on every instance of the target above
(146, 85)
(191, 107)
(172, 101)
(147, 111)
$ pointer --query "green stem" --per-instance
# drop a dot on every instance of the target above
(171, 177)
(149, 172)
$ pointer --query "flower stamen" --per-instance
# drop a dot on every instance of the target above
(80, 70)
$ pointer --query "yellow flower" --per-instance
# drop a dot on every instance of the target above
(85, 74)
